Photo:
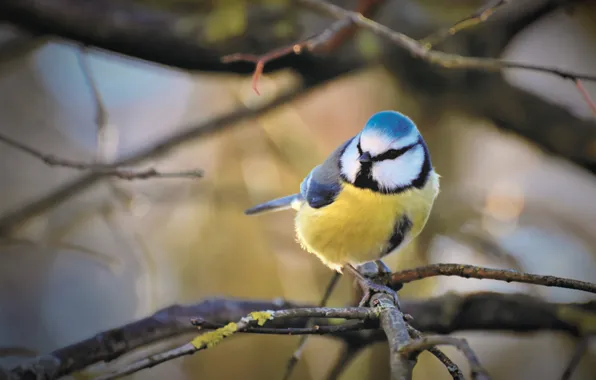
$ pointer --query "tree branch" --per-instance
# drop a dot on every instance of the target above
(471, 271)
(252, 320)
(441, 315)
(395, 327)
(99, 169)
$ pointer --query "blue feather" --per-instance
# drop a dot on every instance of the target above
(391, 124)
(278, 204)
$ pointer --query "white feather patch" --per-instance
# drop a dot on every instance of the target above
(349, 161)
(400, 172)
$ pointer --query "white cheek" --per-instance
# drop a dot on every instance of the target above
(391, 174)
(349, 161)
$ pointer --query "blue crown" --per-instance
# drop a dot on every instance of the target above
(391, 124)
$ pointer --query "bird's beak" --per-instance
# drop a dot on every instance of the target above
(365, 157)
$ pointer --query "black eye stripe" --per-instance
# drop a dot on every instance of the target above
(392, 154)
(359, 148)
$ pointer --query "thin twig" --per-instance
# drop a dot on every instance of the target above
(425, 343)
(580, 350)
(309, 44)
(17, 352)
(471, 271)
(213, 338)
(309, 330)
(586, 95)
(100, 169)
(475, 18)
(452, 368)
(101, 114)
(348, 353)
(297, 354)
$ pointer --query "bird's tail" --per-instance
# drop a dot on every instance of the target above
(284, 203)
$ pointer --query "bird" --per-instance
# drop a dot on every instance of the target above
(368, 199)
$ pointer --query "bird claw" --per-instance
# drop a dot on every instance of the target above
(371, 288)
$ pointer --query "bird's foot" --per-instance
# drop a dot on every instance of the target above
(370, 288)
(379, 272)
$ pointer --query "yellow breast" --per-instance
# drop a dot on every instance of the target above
(356, 227)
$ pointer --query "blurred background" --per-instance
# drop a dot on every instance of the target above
(516, 154)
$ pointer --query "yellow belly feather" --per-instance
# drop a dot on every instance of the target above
(356, 227)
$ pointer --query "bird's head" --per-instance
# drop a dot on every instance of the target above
(387, 156)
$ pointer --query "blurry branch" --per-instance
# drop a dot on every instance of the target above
(347, 354)
(99, 169)
(101, 113)
(471, 271)
(297, 354)
(580, 350)
(19, 46)
(424, 343)
(475, 18)
(586, 95)
(440, 315)
(451, 61)
(17, 351)
(209, 127)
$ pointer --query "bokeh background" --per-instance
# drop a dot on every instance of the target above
(120, 250)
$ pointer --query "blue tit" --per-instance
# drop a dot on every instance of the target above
(369, 198)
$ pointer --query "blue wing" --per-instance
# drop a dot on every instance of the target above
(323, 184)
(318, 189)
